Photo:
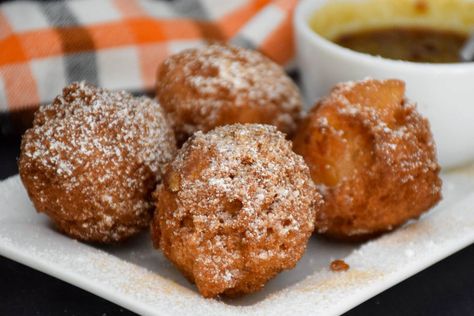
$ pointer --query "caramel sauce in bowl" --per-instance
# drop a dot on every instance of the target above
(416, 44)
(442, 88)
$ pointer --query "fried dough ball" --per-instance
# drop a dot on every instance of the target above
(374, 156)
(92, 160)
(236, 207)
(217, 85)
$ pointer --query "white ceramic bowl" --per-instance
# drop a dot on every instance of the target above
(444, 92)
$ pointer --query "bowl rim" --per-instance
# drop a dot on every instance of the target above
(306, 8)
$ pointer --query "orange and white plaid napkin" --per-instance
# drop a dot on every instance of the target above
(118, 44)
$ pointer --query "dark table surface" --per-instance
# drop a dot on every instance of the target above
(446, 288)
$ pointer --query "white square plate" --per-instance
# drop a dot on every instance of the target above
(137, 277)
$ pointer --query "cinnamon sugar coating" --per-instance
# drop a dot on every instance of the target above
(236, 207)
(373, 156)
(92, 160)
(217, 85)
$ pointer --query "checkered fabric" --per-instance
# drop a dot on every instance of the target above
(118, 44)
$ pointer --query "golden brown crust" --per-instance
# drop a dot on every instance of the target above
(217, 85)
(374, 157)
(235, 208)
(92, 159)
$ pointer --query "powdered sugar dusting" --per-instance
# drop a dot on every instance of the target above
(376, 155)
(392, 137)
(99, 146)
(252, 191)
(211, 82)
